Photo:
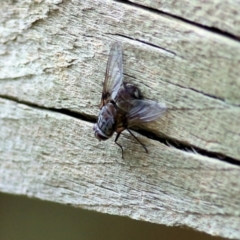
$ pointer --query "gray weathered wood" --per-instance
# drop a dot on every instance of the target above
(62, 65)
(55, 157)
(53, 55)
(220, 15)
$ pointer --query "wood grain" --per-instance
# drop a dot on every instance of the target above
(195, 71)
(217, 15)
(52, 62)
(55, 157)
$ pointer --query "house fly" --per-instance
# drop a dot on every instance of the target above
(122, 105)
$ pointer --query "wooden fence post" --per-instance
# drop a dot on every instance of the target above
(53, 56)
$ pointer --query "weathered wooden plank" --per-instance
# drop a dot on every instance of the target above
(60, 56)
(54, 157)
(53, 54)
(222, 15)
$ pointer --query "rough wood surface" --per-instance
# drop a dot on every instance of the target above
(218, 15)
(53, 57)
(52, 156)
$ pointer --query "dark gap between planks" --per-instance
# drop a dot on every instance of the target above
(207, 28)
(164, 140)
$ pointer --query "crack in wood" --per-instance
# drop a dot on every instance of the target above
(145, 42)
(156, 11)
(203, 93)
(164, 139)
(188, 147)
(175, 84)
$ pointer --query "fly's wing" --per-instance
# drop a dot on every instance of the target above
(140, 111)
(114, 73)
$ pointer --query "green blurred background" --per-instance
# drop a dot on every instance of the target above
(22, 218)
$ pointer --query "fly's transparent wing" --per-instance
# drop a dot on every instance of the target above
(140, 111)
(114, 73)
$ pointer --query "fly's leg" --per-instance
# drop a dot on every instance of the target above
(138, 140)
(118, 134)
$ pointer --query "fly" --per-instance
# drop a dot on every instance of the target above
(121, 104)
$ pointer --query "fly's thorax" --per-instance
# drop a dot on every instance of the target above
(128, 91)
(106, 123)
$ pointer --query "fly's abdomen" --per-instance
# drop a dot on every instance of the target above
(106, 120)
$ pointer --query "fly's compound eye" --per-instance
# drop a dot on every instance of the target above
(100, 137)
(99, 134)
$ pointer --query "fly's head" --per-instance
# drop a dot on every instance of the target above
(99, 133)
